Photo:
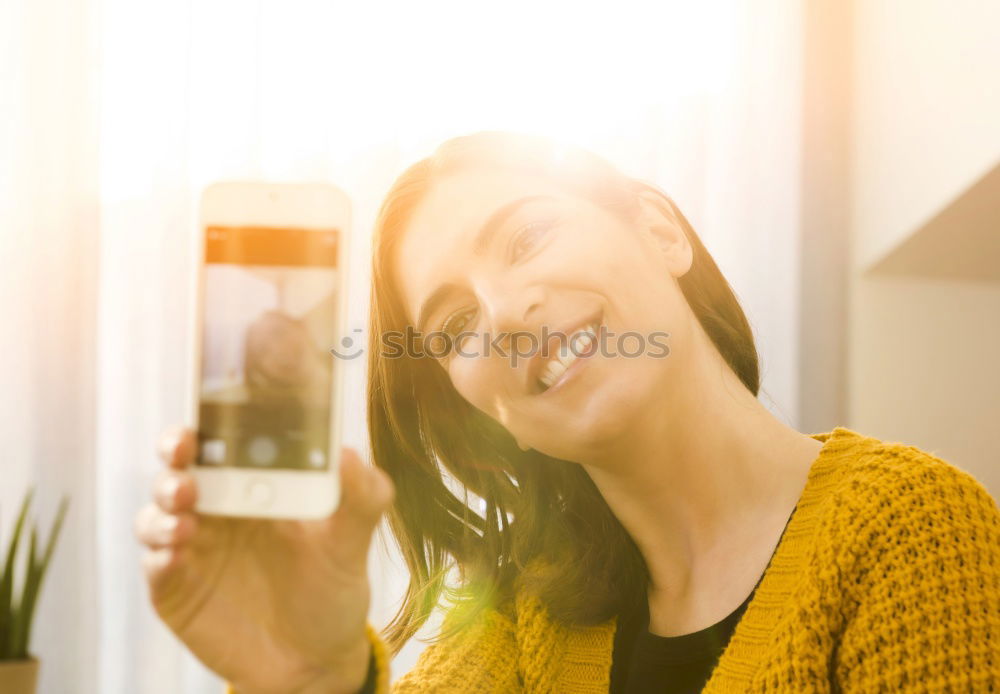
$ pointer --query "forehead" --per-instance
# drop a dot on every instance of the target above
(439, 236)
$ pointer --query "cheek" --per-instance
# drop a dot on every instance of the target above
(645, 287)
(473, 379)
(624, 264)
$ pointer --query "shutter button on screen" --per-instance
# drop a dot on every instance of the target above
(260, 493)
(262, 450)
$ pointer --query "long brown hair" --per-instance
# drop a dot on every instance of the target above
(535, 510)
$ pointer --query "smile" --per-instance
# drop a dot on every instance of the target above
(558, 368)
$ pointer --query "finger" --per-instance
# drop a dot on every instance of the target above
(160, 565)
(177, 447)
(366, 493)
(175, 491)
(157, 529)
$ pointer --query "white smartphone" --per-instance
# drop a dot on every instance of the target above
(266, 390)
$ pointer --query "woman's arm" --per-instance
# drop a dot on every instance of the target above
(926, 589)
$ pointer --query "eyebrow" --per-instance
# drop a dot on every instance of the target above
(482, 241)
(435, 300)
(499, 216)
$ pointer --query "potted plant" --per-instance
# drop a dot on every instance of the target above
(18, 668)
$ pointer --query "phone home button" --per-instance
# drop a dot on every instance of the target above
(259, 493)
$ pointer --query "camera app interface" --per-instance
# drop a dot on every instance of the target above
(269, 313)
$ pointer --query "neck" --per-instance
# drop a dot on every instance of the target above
(706, 473)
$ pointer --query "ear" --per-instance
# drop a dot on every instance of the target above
(662, 226)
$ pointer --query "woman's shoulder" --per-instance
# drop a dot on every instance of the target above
(894, 489)
(905, 537)
(892, 470)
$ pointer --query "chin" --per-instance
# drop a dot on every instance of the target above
(607, 418)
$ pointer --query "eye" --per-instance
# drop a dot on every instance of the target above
(527, 237)
(457, 322)
(453, 325)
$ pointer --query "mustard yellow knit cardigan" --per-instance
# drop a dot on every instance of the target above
(887, 579)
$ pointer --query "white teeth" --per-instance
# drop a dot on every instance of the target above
(558, 364)
(566, 356)
(582, 342)
(553, 370)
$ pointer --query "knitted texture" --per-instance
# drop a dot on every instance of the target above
(887, 579)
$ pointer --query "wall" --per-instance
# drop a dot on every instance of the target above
(922, 365)
(926, 109)
(925, 368)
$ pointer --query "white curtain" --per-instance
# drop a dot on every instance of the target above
(116, 113)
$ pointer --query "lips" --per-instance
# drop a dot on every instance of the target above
(565, 346)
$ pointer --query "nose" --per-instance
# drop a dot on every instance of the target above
(509, 308)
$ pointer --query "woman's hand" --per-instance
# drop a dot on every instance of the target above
(270, 605)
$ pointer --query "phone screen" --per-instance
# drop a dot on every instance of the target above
(268, 320)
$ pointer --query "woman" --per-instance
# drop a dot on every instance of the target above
(643, 523)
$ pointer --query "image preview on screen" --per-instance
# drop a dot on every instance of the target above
(269, 314)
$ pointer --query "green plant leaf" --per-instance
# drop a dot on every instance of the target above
(7, 608)
(54, 533)
(37, 567)
(22, 613)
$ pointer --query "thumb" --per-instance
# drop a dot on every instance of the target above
(366, 492)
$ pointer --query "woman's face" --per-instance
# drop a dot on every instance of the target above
(279, 350)
(551, 264)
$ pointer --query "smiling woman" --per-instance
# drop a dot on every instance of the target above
(588, 254)
(645, 524)
(571, 483)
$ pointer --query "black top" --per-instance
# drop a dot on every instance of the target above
(643, 662)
